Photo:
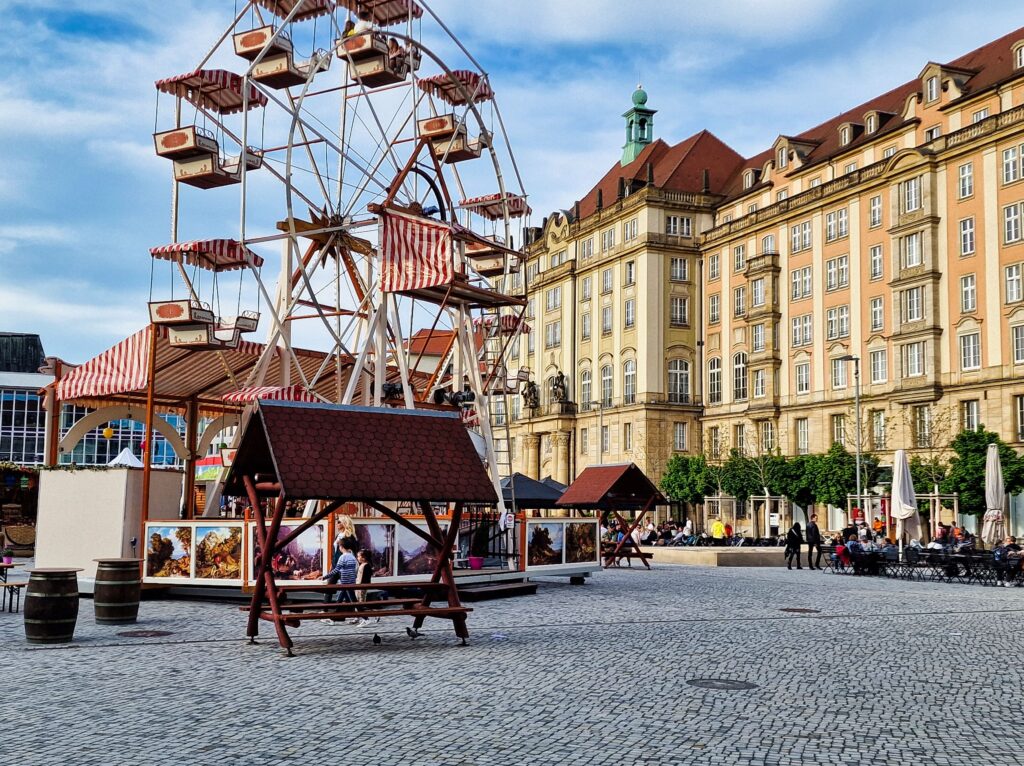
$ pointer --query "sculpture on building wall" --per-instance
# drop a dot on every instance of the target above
(530, 394)
(559, 393)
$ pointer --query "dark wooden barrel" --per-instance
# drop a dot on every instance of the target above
(51, 605)
(116, 595)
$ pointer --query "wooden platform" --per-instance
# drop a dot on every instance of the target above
(721, 557)
(485, 592)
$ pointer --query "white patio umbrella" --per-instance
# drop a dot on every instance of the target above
(994, 527)
(904, 501)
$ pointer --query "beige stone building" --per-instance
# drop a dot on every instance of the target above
(697, 300)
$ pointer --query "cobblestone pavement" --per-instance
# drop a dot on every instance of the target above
(886, 673)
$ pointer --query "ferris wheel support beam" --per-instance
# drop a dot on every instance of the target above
(403, 367)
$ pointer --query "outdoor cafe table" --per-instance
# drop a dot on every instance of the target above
(4, 569)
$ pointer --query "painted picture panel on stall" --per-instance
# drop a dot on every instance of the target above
(219, 553)
(414, 555)
(580, 543)
(302, 559)
(378, 540)
(545, 544)
(169, 552)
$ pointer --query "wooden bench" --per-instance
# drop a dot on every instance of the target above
(627, 552)
(12, 596)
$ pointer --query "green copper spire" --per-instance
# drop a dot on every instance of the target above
(639, 126)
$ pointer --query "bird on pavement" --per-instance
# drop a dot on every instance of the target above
(376, 639)
(412, 632)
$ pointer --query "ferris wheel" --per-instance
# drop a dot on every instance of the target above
(381, 176)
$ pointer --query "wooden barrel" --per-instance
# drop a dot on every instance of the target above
(116, 595)
(51, 605)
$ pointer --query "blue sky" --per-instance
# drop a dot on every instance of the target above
(83, 197)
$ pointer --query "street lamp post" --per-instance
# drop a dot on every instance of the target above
(856, 407)
(600, 430)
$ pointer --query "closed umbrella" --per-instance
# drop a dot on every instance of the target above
(904, 501)
(994, 527)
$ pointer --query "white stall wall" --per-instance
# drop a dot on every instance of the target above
(89, 514)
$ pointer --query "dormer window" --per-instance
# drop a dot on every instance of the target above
(748, 179)
(1018, 57)
(931, 89)
(871, 125)
(844, 135)
(782, 156)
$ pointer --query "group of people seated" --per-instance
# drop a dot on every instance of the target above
(397, 54)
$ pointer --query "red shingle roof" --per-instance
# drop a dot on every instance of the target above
(321, 451)
(430, 343)
(676, 168)
(611, 487)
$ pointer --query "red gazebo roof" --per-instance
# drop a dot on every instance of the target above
(610, 487)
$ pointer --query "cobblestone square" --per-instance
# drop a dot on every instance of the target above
(885, 672)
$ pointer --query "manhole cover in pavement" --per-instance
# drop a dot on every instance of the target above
(145, 633)
(726, 684)
(798, 610)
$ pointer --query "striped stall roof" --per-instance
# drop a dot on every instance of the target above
(294, 393)
(215, 89)
(458, 88)
(492, 206)
(212, 254)
(310, 8)
(385, 12)
(509, 322)
(417, 252)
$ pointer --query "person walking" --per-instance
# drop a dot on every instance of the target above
(794, 540)
(344, 572)
(813, 542)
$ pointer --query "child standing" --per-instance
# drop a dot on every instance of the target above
(364, 575)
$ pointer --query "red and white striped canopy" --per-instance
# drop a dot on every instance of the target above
(215, 89)
(385, 12)
(492, 205)
(508, 322)
(417, 252)
(310, 8)
(458, 88)
(294, 393)
(211, 254)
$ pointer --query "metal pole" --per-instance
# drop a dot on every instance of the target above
(600, 433)
(856, 405)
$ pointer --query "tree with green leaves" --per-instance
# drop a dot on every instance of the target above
(835, 476)
(928, 472)
(967, 468)
(686, 479)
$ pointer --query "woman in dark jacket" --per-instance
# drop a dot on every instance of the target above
(794, 541)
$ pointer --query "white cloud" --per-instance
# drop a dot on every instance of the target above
(48, 308)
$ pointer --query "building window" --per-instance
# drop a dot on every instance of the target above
(714, 309)
(606, 320)
(739, 437)
(910, 195)
(802, 330)
(910, 251)
(553, 299)
(875, 211)
(713, 267)
(629, 382)
(932, 88)
(803, 436)
(715, 381)
(679, 270)
(757, 337)
(627, 437)
(739, 301)
(607, 240)
(553, 334)
(768, 243)
(838, 374)
(979, 115)
(530, 342)
(1017, 332)
(837, 272)
(760, 384)
(1018, 406)
(1011, 223)
(922, 423)
(875, 260)
(606, 442)
(837, 224)
(849, 167)
(803, 378)
(781, 194)
(739, 377)
(748, 179)
(585, 289)
(815, 182)
(781, 158)
(629, 230)
(933, 132)
(585, 326)
(606, 281)
(630, 273)
(679, 225)
(844, 135)
(679, 311)
(499, 411)
(888, 152)
(752, 208)
(968, 293)
(1013, 284)
(970, 414)
(877, 429)
(630, 312)
(767, 436)
(872, 123)
(913, 359)
(879, 363)
(1018, 57)
(557, 259)
(800, 283)
(800, 237)
(679, 381)
(679, 436)
(584, 441)
(967, 236)
(585, 390)
(739, 258)
(715, 442)
(966, 185)
(1011, 165)
(877, 314)
(837, 322)
(606, 386)
(757, 292)
(587, 248)
(912, 304)
(970, 351)
(22, 427)
(839, 429)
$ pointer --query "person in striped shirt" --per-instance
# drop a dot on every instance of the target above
(344, 572)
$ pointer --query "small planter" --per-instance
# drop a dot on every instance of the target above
(476, 562)
(8, 559)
